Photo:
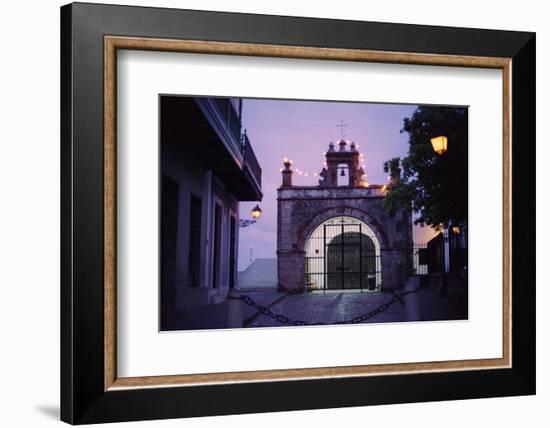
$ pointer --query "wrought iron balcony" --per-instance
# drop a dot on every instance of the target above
(251, 166)
(229, 115)
(231, 119)
(209, 130)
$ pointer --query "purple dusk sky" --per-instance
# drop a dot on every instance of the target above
(302, 131)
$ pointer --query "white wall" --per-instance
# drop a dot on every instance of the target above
(29, 214)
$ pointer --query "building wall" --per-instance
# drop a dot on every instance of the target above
(194, 179)
(301, 209)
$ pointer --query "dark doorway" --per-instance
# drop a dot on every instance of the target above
(351, 262)
(232, 251)
(194, 256)
(216, 263)
(169, 197)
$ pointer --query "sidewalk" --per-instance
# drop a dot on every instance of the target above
(215, 316)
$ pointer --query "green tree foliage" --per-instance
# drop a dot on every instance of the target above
(435, 186)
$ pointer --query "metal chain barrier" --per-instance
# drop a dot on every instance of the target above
(264, 310)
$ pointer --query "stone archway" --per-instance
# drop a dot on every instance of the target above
(310, 224)
(299, 216)
(343, 253)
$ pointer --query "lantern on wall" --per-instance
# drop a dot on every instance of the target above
(256, 212)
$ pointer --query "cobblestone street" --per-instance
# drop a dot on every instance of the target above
(330, 307)
(333, 307)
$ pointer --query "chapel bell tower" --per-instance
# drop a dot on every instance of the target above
(343, 167)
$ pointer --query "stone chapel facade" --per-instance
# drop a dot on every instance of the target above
(337, 235)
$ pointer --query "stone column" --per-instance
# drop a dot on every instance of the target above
(291, 270)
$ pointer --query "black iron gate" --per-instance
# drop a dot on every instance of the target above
(341, 255)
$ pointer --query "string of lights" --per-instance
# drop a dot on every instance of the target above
(299, 172)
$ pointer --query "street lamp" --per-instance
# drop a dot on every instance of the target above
(439, 144)
(256, 214)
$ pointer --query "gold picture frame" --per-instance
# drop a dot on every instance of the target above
(114, 43)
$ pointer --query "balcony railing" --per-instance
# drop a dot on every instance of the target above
(250, 162)
(223, 116)
(229, 115)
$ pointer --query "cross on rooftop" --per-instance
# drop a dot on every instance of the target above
(342, 125)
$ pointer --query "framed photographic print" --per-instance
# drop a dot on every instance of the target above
(266, 213)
